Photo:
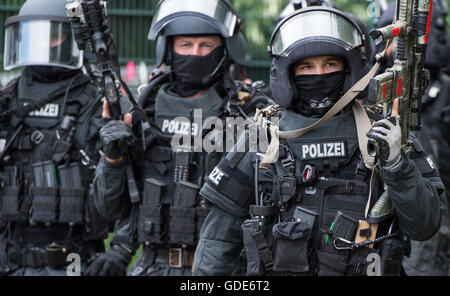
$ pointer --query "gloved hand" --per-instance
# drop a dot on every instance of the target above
(113, 262)
(388, 134)
(116, 136)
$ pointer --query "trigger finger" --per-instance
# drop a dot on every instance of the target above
(106, 114)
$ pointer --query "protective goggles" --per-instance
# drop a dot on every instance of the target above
(40, 42)
(314, 24)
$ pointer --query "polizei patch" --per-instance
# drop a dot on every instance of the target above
(324, 150)
(179, 127)
(49, 110)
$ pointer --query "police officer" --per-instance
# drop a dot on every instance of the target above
(49, 123)
(198, 40)
(315, 209)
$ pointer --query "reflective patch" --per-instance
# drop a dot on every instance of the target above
(433, 92)
(324, 150)
(179, 127)
(216, 175)
(2, 145)
(49, 110)
(431, 163)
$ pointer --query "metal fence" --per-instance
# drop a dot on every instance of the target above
(130, 22)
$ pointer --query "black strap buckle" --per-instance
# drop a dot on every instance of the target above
(36, 137)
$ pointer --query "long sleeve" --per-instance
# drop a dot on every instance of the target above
(220, 244)
(415, 196)
(110, 190)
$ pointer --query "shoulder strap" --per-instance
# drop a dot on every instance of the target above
(363, 125)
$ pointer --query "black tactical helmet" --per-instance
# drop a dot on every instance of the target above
(196, 17)
(311, 32)
(299, 4)
(41, 35)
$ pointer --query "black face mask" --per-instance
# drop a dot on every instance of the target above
(316, 94)
(191, 70)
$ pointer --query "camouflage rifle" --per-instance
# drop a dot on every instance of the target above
(407, 79)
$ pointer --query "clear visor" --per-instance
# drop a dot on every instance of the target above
(40, 42)
(315, 24)
(215, 11)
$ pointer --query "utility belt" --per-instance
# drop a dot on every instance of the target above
(56, 196)
(170, 215)
(53, 255)
(175, 257)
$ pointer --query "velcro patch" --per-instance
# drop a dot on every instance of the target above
(216, 175)
(324, 150)
(49, 110)
(178, 127)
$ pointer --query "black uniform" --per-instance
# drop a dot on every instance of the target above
(167, 218)
(50, 129)
(307, 212)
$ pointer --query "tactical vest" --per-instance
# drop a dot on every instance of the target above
(45, 177)
(308, 222)
(171, 211)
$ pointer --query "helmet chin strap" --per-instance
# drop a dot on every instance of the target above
(211, 77)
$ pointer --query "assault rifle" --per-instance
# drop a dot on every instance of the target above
(407, 79)
(90, 26)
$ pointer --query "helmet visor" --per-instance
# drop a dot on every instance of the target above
(315, 24)
(216, 12)
(40, 42)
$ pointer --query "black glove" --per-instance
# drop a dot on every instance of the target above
(388, 134)
(113, 262)
(116, 136)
